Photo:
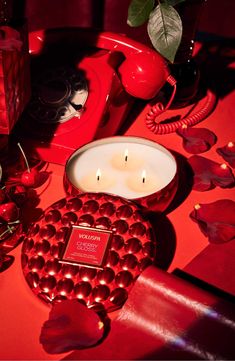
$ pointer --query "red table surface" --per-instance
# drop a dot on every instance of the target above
(22, 314)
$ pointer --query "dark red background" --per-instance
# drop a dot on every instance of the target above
(217, 18)
(21, 313)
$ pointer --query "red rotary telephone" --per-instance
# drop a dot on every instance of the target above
(142, 73)
(83, 85)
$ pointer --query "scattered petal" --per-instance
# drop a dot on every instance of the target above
(216, 220)
(197, 140)
(71, 326)
(5, 261)
(43, 176)
(209, 174)
(228, 153)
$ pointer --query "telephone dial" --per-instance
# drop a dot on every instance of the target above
(83, 85)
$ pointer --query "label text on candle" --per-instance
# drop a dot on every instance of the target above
(87, 246)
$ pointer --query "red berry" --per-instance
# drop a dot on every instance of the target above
(18, 194)
(30, 179)
(9, 212)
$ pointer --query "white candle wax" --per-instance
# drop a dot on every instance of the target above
(157, 161)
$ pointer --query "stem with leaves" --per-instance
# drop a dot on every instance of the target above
(164, 24)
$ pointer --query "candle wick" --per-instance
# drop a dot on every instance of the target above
(126, 156)
(98, 174)
(143, 177)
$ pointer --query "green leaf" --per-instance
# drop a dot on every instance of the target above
(139, 11)
(165, 30)
(173, 2)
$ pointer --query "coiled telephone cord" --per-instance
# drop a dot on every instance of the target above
(154, 126)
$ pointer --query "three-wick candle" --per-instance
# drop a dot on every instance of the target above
(131, 167)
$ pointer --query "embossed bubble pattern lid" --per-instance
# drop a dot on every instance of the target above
(128, 249)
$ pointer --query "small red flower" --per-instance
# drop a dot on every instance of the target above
(209, 174)
(71, 326)
(216, 220)
(197, 140)
(228, 153)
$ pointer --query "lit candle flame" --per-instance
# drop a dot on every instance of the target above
(143, 176)
(223, 166)
(126, 155)
(197, 206)
(98, 174)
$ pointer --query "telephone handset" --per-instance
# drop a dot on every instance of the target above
(79, 96)
(142, 73)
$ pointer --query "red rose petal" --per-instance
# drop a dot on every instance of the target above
(228, 153)
(216, 220)
(71, 326)
(209, 174)
(197, 140)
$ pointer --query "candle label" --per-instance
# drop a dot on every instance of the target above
(87, 246)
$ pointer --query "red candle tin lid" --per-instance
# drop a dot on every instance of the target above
(89, 247)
